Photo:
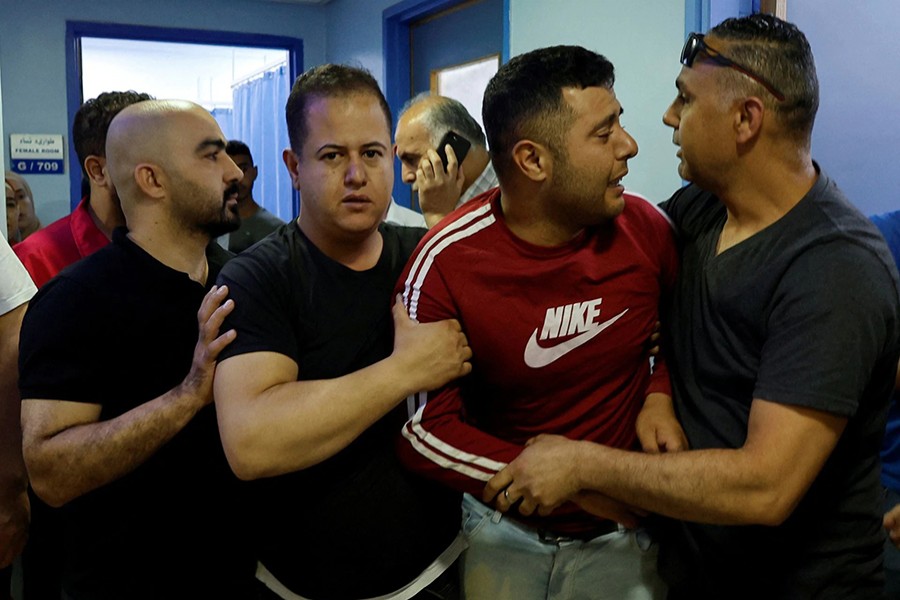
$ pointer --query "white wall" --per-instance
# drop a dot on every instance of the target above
(643, 40)
(857, 133)
(33, 57)
(857, 136)
(354, 34)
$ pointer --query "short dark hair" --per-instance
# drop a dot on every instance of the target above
(91, 123)
(524, 99)
(447, 114)
(327, 81)
(237, 147)
(780, 53)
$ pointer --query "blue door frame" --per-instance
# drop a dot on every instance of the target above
(396, 22)
(698, 13)
(395, 35)
(75, 30)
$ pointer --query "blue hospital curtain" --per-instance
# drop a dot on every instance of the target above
(225, 118)
(259, 122)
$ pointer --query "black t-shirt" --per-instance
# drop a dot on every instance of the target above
(119, 329)
(803, 313)
(356, 525)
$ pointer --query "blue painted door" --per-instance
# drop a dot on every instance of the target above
(457, 35)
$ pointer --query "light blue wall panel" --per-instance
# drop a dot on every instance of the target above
(643, 40)
(857, 132)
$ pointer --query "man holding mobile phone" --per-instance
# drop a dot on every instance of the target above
(430, 129)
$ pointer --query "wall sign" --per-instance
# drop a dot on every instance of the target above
(36, 153)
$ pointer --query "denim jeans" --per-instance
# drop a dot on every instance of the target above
(509, 561)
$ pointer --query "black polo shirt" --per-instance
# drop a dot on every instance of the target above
(119, 329)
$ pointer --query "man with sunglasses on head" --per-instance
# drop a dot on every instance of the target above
(784, 338)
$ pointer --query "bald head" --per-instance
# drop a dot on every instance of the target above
(434, 115)
(167, 161)
(416, 115)
(145, 133)
(424, 120)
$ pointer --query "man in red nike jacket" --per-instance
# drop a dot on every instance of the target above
(557, 278)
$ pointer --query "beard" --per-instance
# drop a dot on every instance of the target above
(580, 198)
(201, 212)
(229, 217)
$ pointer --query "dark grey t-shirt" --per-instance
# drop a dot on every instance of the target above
(252, 229)
(803, 313)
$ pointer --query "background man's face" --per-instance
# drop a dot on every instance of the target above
(245, 186)
(412, 142)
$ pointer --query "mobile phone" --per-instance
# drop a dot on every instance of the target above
(459, 144)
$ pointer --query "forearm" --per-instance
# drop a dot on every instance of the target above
(440, 445)
(296, 424)
(727, 487)
(761, 482)
(78, 459)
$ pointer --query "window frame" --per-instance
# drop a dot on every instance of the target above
(75, 30)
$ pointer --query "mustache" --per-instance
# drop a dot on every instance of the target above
(231, 191)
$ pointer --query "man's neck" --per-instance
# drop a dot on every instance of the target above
(479, 161)
(523, 215)
(758, 197)
(358, 252)
(177, 249)
(105, 211)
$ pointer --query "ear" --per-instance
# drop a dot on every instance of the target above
(149, 180)
(532, 159)
(292, 162)
(748, 119)
(95, 166)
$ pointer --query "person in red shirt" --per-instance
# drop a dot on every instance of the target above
(557, 278)
(89, 228)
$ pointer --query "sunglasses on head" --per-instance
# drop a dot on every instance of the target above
(695, 44)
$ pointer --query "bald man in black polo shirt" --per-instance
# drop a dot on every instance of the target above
(117, 421)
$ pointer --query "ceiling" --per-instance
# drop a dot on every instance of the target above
(299, 1)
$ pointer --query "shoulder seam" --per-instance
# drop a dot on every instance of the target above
(422, 261)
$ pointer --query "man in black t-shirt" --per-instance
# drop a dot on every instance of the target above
(785, 337)
(118, 425)
(310, 394)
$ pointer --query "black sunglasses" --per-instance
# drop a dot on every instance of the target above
(695, 45)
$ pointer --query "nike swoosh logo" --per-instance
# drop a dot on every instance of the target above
(537, 357)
